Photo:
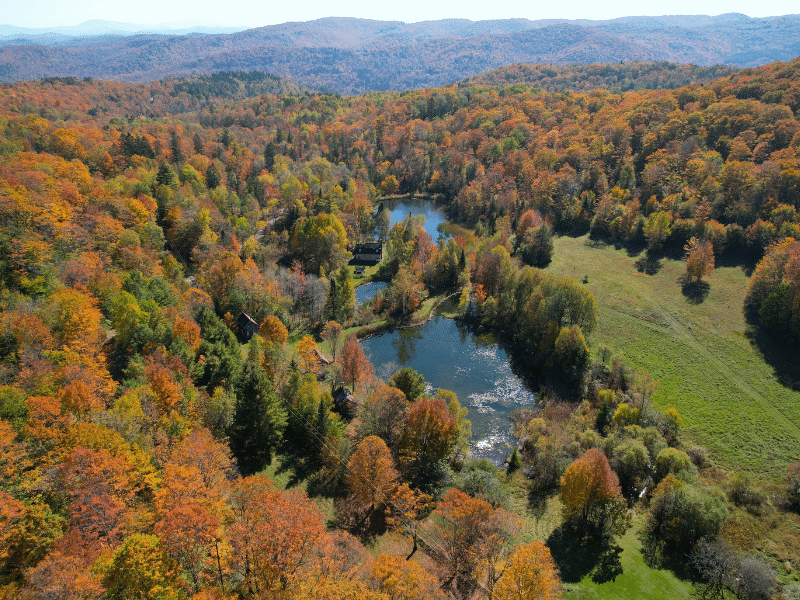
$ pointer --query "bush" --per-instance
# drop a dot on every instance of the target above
(698, 456)
(741, 493)
(672, 461)
(680, 516)
(480, 483)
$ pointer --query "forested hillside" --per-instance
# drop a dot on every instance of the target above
(621, 77)
(146, 228)
(354, 56)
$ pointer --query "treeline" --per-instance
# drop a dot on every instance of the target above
(621, 77)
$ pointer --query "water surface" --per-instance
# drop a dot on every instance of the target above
(368, 290)
(473, 365)
(400, 209)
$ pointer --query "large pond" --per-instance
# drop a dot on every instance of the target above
(474, 365)
(400, 209)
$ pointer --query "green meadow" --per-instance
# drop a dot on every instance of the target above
(699, 348)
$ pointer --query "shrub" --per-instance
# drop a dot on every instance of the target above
(672, 461)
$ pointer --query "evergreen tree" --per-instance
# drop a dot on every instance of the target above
(198, 144)
(260, 419)
(270, 152)
(175, 148)
(332, 302)
(347, 295)
(223, 357)
(212, 177)
(166, 176)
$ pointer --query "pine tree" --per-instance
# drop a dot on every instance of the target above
(175, 147)
(347, 295)
(212, 177)
(260, 418)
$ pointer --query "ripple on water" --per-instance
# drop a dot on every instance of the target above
(473, 366)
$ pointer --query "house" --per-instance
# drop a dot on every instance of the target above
(344, 403)
(247, 326)
(370, 253)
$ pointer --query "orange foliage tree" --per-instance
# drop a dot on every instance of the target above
(407, 510)
(699, 258)
(471, 540)
(370, 472)
(404, 579)
(531, 574)
(355, 364)
(431, 430)
(590, 491)
(272, 534)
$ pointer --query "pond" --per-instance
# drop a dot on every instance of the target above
(400, 209)
(368, 290)
(473, 365)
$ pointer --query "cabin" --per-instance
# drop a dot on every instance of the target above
(247, 326)
(370, 253)
(344, 403)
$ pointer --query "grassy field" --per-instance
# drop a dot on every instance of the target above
(637, 580)
(697, 348)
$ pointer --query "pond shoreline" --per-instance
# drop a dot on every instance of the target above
(376, 328)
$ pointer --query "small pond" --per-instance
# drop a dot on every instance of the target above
(368, 290)
(400, 209)
(472, 364)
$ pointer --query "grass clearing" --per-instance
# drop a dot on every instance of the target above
(699, 352)
(637, 579)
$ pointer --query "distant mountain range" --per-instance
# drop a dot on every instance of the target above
(356, 55)
(89, 31)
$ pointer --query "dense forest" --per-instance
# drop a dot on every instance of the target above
(138, 421)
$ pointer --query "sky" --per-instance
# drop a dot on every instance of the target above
(257, 13)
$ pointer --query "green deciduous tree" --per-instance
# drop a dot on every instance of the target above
(320, 241)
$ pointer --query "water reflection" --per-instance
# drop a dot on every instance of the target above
(400, 209)
(475, 365)
(368, 290)
(404, 342)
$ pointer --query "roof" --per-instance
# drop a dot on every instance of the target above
(245, 319)
(370, 247)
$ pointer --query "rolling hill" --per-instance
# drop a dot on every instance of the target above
(355, 55)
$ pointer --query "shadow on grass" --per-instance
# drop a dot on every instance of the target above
(778, 353)
(593, 242)
(649, 263)
(318, 482)
(695, 291)
(578, 554)
(537, 501)
(364, 522)
(656, 557)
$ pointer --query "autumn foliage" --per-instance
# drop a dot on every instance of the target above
(588, 485)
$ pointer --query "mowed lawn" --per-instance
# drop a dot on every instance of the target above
(699, 352)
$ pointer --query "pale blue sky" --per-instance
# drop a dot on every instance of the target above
(255, 13)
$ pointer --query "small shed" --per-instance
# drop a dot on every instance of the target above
(370, 253)
(344, 403)
(247, 326)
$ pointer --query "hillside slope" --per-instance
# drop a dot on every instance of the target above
(356, 55)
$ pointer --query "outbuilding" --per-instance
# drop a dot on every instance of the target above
(247, 326)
